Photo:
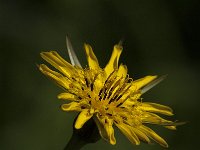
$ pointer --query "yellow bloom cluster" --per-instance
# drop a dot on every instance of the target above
(108, 95)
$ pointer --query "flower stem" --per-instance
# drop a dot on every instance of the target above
(87, 134)
(75, 143)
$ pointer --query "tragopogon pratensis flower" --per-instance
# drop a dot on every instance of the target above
(108, 95)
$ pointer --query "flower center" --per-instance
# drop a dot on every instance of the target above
(105, 95)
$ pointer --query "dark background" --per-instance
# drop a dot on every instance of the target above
(160, 37)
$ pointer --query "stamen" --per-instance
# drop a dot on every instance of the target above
(100, 92)
(92, 86)
(86, 82)
(119, 104)
(120, 89)
(110, 92)
(108, 114)
(117, 83)
(110, 76)
(105, 94)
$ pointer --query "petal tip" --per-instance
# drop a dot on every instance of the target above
(77, 126)
(113, 142)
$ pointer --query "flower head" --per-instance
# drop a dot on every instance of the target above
(108, 95)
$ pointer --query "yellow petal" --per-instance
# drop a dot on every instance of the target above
(99, 82)
(73, 106)
(122, 71)
(113, 62)
(68, 96)
(129, 133)
(105, 129)
(58, 62)
(110, 131)
(151, 134)
(55, 76)
(91, 58)
(157, 108)
(141, 135)
(137, 84)
(132, 100)
(83, 117)
(155, 119)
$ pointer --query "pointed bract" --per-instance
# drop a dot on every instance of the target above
(152, 84)
(72, 55)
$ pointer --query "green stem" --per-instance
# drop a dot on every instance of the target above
(87, 134)
(75, 143)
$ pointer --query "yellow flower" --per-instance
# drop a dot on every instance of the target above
(108, 95)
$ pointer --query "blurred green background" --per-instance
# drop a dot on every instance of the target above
(160, 37)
